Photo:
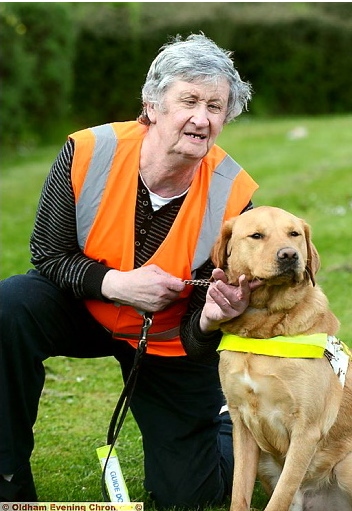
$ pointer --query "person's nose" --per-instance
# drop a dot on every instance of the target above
(200, 116)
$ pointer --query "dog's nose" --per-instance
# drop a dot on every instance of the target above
(288, 254)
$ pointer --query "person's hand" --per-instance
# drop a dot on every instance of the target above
(225, 301)
(148, 288)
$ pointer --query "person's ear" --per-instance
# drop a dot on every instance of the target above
(150, 109)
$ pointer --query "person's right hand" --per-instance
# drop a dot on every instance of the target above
(148, 288)
(225, 301)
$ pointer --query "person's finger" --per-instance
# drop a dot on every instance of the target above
(218, 274)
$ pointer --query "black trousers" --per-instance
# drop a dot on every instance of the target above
(187, 445)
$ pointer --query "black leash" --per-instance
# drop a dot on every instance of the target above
(123, 403)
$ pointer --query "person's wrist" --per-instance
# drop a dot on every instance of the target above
(207, 326)
(109, 284)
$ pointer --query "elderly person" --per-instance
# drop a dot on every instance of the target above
(128, 213)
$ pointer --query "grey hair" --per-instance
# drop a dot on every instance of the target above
(195, 59)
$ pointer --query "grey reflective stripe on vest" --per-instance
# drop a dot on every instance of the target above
(219, 191)
(95, 180)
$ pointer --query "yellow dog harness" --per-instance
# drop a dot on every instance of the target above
(298, 346)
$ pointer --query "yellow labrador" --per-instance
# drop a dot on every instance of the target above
(292, 415)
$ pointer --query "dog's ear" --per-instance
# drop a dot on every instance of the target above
(313, 259)
(219, 253)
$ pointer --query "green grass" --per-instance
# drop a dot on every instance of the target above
(310, 176)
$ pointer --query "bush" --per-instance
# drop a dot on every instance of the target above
(37, 44)
(112, 59)
(89, 60)
(296, 56)
(297, 66)
(15, 72)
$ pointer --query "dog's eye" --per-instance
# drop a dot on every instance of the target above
(256, 236)
(294, 234)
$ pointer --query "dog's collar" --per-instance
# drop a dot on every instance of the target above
(298, 346)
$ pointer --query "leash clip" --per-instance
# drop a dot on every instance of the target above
(147, 323)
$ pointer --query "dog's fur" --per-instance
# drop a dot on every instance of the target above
(292, 418)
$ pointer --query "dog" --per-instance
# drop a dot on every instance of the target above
(292, 415)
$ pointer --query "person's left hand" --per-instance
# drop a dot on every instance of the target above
(225, 301)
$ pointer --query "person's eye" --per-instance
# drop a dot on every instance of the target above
(214, 107)
(189, 102)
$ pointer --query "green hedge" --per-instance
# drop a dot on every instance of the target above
(37, 45)
(15, 76)
(112, 59)
(298, 58)
(89, 60)
(297, 66)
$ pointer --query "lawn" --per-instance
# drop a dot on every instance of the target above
(301, 164)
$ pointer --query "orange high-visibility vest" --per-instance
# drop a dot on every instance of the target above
(105, 172)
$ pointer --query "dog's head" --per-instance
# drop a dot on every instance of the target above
(269, 244)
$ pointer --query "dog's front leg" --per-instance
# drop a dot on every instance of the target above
(246, 454)
(299, 455)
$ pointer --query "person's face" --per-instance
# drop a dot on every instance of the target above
(191, 117)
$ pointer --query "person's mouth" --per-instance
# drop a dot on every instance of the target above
(196, 136)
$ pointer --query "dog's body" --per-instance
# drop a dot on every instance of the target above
(292, 417)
